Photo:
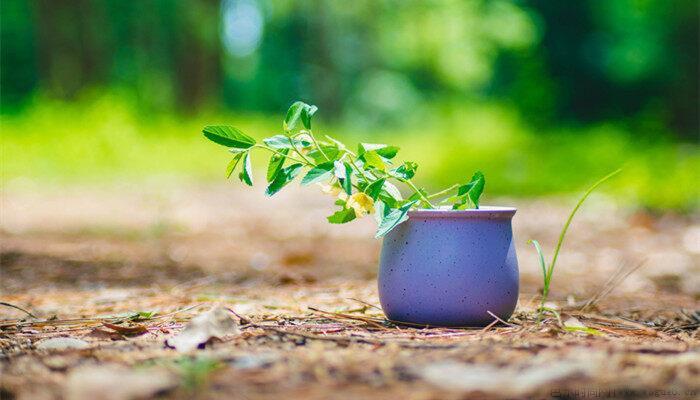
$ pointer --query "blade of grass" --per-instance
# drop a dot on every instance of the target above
(550, 271)
(540, 254)
(571, 217)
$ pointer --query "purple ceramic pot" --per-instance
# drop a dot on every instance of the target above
(450, 267)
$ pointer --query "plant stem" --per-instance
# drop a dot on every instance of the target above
(284, 155)
(358, 168)
(413, 186)
(456, 185)
(313, 139)
(294, 147)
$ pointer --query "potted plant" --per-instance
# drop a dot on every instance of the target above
(445, 261)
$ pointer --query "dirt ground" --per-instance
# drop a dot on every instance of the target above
(113, 275)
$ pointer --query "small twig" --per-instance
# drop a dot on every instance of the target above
(243, 319)
(489, 326)
(18, 308)
(497, 318)
(367, 320)
(615, 280)
(365, 303)
(619, 322)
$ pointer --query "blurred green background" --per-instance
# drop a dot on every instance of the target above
(543, 96)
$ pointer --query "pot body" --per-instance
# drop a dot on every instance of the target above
(450, 268)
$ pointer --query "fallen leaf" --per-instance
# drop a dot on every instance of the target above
(114, 382)
(131, 330)
(213, 324)
(61, 343)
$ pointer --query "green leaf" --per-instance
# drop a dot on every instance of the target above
(362, 148)
(299, 111)
(469, 194)
(293, 115)
(228, 136)
(278, 142)
(286, 175)
(543, 264)
(276, 163)
(246, 174)
(342, 216)
(390, 195)
(391, 217)
(343, 171)
(318, 173)
(380, 211)
(392, 191)
(373, 160)
(376, 155)
(232, 164)
(306, 115)
(383, 150)
(375, 188)
(388, 152)
(339, 169)
(406, 171)
(283, 142)
(331, 152)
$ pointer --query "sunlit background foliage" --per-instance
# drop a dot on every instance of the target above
(543, 96)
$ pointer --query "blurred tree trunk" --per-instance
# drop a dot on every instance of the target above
(80, 41)
(198, 54)
(326, 82)
(70, 45)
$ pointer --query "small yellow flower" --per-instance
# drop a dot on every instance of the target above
(361, 203)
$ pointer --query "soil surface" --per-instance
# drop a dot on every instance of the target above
(217, 292)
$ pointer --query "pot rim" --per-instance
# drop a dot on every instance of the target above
(483, 212)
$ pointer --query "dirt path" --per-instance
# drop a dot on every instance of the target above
(102, 255)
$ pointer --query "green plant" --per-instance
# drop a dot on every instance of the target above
(547, 271)
(361, 180)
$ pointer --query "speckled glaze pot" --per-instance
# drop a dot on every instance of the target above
(450, 267)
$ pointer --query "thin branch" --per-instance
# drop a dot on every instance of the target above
(284, 155)
(313, 139)
(455, 186)
(358, 168)
(413, 186)
(365, 303)
(497, 318)
(294, 146)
